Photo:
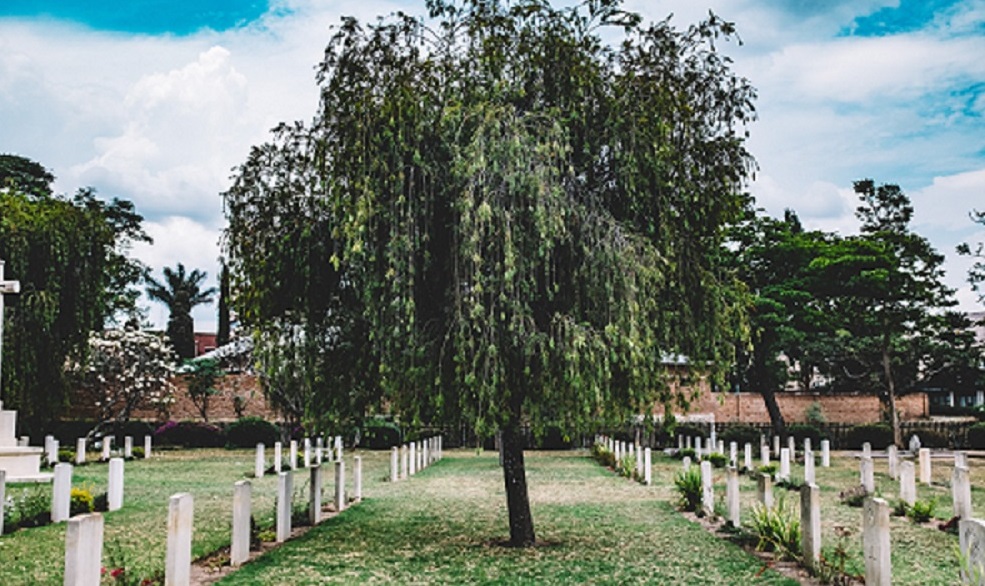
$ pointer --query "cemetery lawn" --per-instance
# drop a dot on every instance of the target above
(447, 525)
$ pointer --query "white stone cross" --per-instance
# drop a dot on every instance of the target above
(6, 288)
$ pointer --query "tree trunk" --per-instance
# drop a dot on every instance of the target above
(517, 500)
(773, 408)
(887, 369)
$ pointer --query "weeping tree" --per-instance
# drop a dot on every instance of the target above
(496, 217)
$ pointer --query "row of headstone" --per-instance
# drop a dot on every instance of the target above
(61, 489)
(643, 464)
(52, 445)
(409, 459)
(312, 454)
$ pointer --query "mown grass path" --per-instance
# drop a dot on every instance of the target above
(446, 526)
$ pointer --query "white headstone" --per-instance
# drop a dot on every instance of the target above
(707, 490)
(688, 443)
(925, 475)
(394, 464)
(639, 462)
(784, 473)
(809, 474)
(84, 550)
(285, 494)
(907, 482)
(721, 447)
(115, 491)
(792, 446)
(733, 454)
(293, 454)
(961, 459)
(647, 467)
(875, 542)
(107, 446)
(278, 457)
(148, 445)
(51, 449)
(776, 446)
(413, 458)
(866, 450)
(810, 524)
(686, 463)
(61, 493)
(971, 539)
(239, 550)
(259, 462)
(307, 453)
(867, 475)
(764, 455)
(680, 442)
(80, 451)
(178, 559)
(404, 461)
(732, 496)
(807, 444)
(340, 486)
(914, 443)
(314, 495)
(128, 446)
(747, 457)
(697, 446)
(892, 457)
(825, 453)
(961, 492)
(357, 478)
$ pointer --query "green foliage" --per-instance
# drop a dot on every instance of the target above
(247, 432)
(878, 435)
(686, 453)
(717, 460)
(768, 470)
(814, 414)
(976, 436)
(201, 376)
(688, 485)
(803, 431)
(70, 256)
(138, 453)
(66, 455)
(854, 496)
(81, 501)
(380, 434)
(189, 434)
(741, 435)
(691, 430)
(27, 507)
(627, 466)
(777, 529)
(604, 456)
(181, 292)
(922, 511)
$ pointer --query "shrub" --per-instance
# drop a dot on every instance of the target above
(247, 432)
(741, 434)
(82, 501)
(688, 484)
(30, 507)
(691, 430)
(138, 453)
(379, 434)
(976, 436)
(627, 466)
(929, 438)
(66, 455)
(800, 432)
(922, 511)
(190, 434)
(686, 453)
(777, 529)
(717, 460)
(814, 415)
(879, 435)
(768, 470)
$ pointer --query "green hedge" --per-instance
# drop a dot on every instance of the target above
(878, 435)
(247, 432)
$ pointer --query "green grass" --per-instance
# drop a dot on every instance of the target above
(448, 523)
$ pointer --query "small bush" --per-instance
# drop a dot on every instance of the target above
(976, 436)
(691, 430)
(686, 453)
(929, 438)
(800, 432)
(879, 435)
(190, 434)
(627, 466)
(101, 502)
(854, 496)
(768, 470)
(82, 501)
(247, 432)
(688, 485)
(66, 455)
(741, 435)
(777, 529)
(138, 453)
(717, 460)
(922, 511)
(900, 508)
(379, 434)
(30, 507)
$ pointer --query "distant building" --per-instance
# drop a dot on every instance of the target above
(204, 342)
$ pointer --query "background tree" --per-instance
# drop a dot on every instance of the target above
(496, 217)
(70, 255)
(976, 273)
(201, 376)
(181, 292)
(222, 333)
(126, 368)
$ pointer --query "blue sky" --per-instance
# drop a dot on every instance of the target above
(156, 101)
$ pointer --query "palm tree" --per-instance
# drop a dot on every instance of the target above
(181, 292)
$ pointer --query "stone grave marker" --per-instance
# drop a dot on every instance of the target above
(707, 490)
(961, 459)
(128, 446)
(148, 445)
(733, 454)
(867, 475)
(907, 482)
(647, 467)
(776, 446)
(892, 457)
(810, 524)
(80, 451)
(697, 446)
(915, 443)
(404, 461)
(107, 446)
(285, 492)
(293, 455)
(314, 495)
(764, 455)
(357, 478)
(84, 550)
(278, 457)
(732, 495)
(792, 446)
(178, 559)
(784, 473)
(971, 540)
(875, 542)
(413, 458)
(307, 453)
(686, 463)
(239, 550)
(764, 490)
(747, 457)
(809, 473)
(925, 475)
(866, 450)
(259, 462)
(394, 464)
(825, 453)
(61, 493)
(807, 444)
(115, 490)
(340, 486)
(961, 492)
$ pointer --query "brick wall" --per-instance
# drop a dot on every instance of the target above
(854, 408)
